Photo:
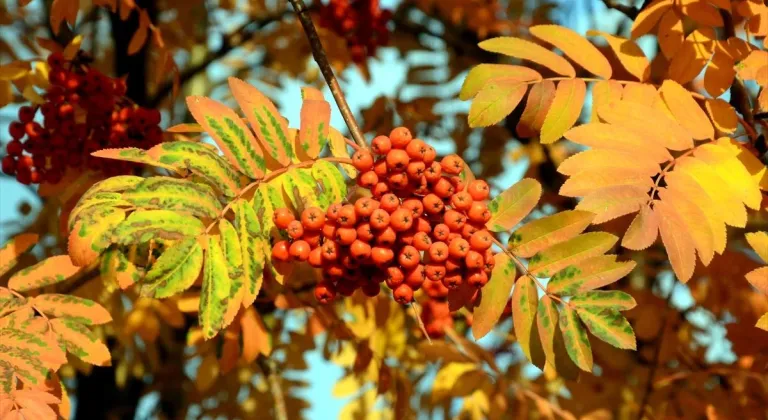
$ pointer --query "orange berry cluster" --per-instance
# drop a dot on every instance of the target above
(422, 227)
(361, 22)
(84, 111)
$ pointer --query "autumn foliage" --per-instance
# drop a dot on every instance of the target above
(202, 263)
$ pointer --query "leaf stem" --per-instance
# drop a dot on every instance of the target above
(524, 269)
(318, 52)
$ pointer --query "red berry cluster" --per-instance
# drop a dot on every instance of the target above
(84, 111)
(362, 24)
(422, 227)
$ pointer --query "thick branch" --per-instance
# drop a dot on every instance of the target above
(325, 67)
(629, 11)
(270, 372)
(739, 95)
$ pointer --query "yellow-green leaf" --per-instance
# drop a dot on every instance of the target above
(175, 271)
(685, 109)
(565, 109)
(301, 187)
(612, 202)
(527, 50)
(132, 154)
(269, 126)
(497, 99)
(266, 200)
(604, 299)
(664, 131)
(511, 206)
(145, 225)
(80, 309)
(315, 126)
(81, 341)
(230, 133)
(11, 251)
(451, 381)
(608, 325)
(93, 233)
(214, 295)
(167, 193)
(233, 253)
(50, 271)
(330, 184)
(589, 274)
(576, 47)
(542, 233)
(117, 269)
(338, 147)
(576, 340)
(481, 74)
(525, 300)
(253, 246)
(552, 341)
(113, 184)
(551, 260)
(495, 296)
(629, 54)
(201, 161)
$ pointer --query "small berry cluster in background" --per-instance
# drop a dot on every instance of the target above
(84, 111)
(422, 228)
(360, 22)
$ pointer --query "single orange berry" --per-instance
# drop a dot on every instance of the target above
(440, 232)
(313, 218)
(458, 183)
(381, 255)
(329, 229)
(397, 181)
(408, 257)
(468, 230)
(295, 229)
(443, 188)
(415, 277)
(421, 241)
(481, 240)
(430, 155)
(433, 172)
(386, 237)
(347, 216)
(333, 211)
(477, 278)
(346, 235)
(454, 220)
(280, 251)
(364, 232)
(360, 250)
(453, 264)
(401, 219)
(452, 164)
(299, 250)
(368, 180)
(365, 206)
(334, 270)
(380, 189)
(389, 203)
(478, 189)
(438, 252)
(397, 160)
(473, 259)
(394, 277)
(422, 225)
(435, 272)
(381, 145)
(403, 294)
(452, 280)
(415, 206)
(283, 217)
(479, 212)
(458, 248)
(380, 167)
(400, 137)
(416, 149)
(379, 219)
(362, 160)
(461, 201)
(325, 292)
(316, 257)
(313, 238)
(415, 170)
(432, 204)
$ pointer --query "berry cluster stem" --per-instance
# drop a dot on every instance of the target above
(318, 52)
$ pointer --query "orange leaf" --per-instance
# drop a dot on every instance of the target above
(255, 336)
(629, 54)
(604, 92)
(607, 158)
(641, 93)
(702, 12)
(62, 10)
(315, 126)
(719, 74)
(564, 111)
(694, 54)
(185, 128)
(576, 47)
(497, 99)
(692, 216)
(595, 179)
(685, 109)
(613, 137)
(81, 341)
(649, 16)
(83, 310)
(537, 105)
(664, 131)
(610, 203)
(670, 33)
(14, 248)
(759, 278)
(527, 50)
(643, 231)
(680, 248)
(139, 37)
(682, 184)
(722, 115)
(47, 272)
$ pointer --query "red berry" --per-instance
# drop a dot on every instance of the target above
(9, 165)
(14, 148)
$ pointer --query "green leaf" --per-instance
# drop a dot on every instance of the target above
(201, 161)
(497, 99)
(609, 299)
(608, 325)
(270, 127)
(215, 292)
(113, 184)
(7, 378)
(230, 133)
(81, 341)
(542, 233)
(512, 205)
(481, 74)
(95, 203)
(144, 225)
(331, 187)
(559, 256)
(175, 271)
(93, 234)
(576, 340)
(233, 253)
(167, 193)
(339, 148)
(589, 274)
(301, 187)
(495, 296)
(84, 310)
(315, 126)
(525, 300)
(265, 201)
(253, 247)
(47, 272)
(116, 268)
(132, 154)
(26, 363)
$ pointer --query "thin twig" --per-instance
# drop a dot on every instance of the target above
(629, 11)
(419, 321)
(270, 372)
(325, 67)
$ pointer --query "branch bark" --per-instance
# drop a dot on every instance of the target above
(629, 11)
(318, 52)
(270, 373)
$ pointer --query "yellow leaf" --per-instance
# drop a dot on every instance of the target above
(604, 92)
(670, 33)
(664, 131)
(732, 171)
(551, 260)
(614, 137)
(447, 381)
(692, 215)
(630, 55)
(679, 246)
(730, 206)
(758, 171)
(497, 99)
(576, 47)
(612, 202)
(564, 111)
(641, 93)
(537, 105)
(481, 74)
(524, 303)
(347, 386)
(692, 56)
(14, 70)
(684, 185)
(595, 179)
(685, 109)
(762, 323)
(648, 17)
(527, 50)
(719, 74)
(759, 242)
(722, 115)
(6, 93)
(607, 158)
(255, 336)
(643, 230)
(543, 233)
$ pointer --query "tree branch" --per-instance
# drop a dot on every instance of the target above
(325, 67)
(739, 95)
(270, 373)
(629, 11)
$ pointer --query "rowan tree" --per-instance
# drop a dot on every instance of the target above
(191, 244)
